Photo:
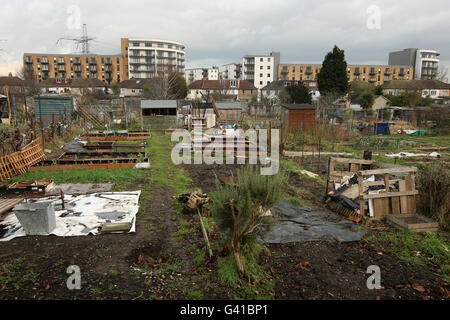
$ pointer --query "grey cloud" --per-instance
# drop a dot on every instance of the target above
(218, 32)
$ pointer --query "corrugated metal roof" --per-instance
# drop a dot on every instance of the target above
(156, 104)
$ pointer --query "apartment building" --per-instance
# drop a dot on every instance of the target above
(195, 74)
(148, 58)
(374, 74)
(260, 70)
(424, 61)
(107, 68)
(231, 71)
(139, 59)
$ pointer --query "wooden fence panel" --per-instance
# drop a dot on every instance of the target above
(19, 162)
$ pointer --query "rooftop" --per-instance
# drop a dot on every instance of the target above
(298, 106)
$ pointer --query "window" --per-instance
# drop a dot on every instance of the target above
(268, 76)
(261, 67)
(268, 67)
(260, 75)
(260, 82)
(135, 44)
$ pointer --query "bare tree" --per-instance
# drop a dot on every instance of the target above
(166, 87)
(222, 92)
(30, 86)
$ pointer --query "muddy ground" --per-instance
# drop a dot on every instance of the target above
(34, 267)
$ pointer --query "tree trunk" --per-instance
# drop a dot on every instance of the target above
(237, 257)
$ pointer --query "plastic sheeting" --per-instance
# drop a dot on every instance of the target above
(301, 224)
(83, 214)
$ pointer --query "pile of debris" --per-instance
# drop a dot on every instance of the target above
(363, 193)
(193, 201)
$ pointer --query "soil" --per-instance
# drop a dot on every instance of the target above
(313, 270)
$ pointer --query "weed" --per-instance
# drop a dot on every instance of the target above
(195, 295)
(199, 257)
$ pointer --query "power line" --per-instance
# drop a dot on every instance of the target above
(83, 41)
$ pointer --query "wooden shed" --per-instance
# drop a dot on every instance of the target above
(298, 117)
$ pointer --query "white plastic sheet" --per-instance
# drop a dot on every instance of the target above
(83, 214)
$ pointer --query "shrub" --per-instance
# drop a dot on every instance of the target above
(240, 212)
(434, 192)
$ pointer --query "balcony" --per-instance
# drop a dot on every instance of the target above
(108, 62)
(28, 60)
(44, 61)
(61, 62)
(93, 62)
(308, 71)
(387, 72)
(284, 71)
(373, 80)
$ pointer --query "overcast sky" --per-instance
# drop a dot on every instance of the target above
(219, 32)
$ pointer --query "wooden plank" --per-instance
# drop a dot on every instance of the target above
(380, 183)
(353, 167)
(395, 202)
(384, 171)
(361, 201)
(349, 160)
(341, 173)
(8, 204)
(386, 206)
(377, 209)
(403, 200)
(390, 194)
(386, 181)
(410, 185)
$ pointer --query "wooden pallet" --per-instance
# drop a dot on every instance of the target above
(412, 222)
(389, 202)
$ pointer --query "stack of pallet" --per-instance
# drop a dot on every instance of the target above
(397, 193)
(19, 162)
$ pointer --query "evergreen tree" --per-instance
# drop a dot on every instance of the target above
(332, 77)
(296, 94)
